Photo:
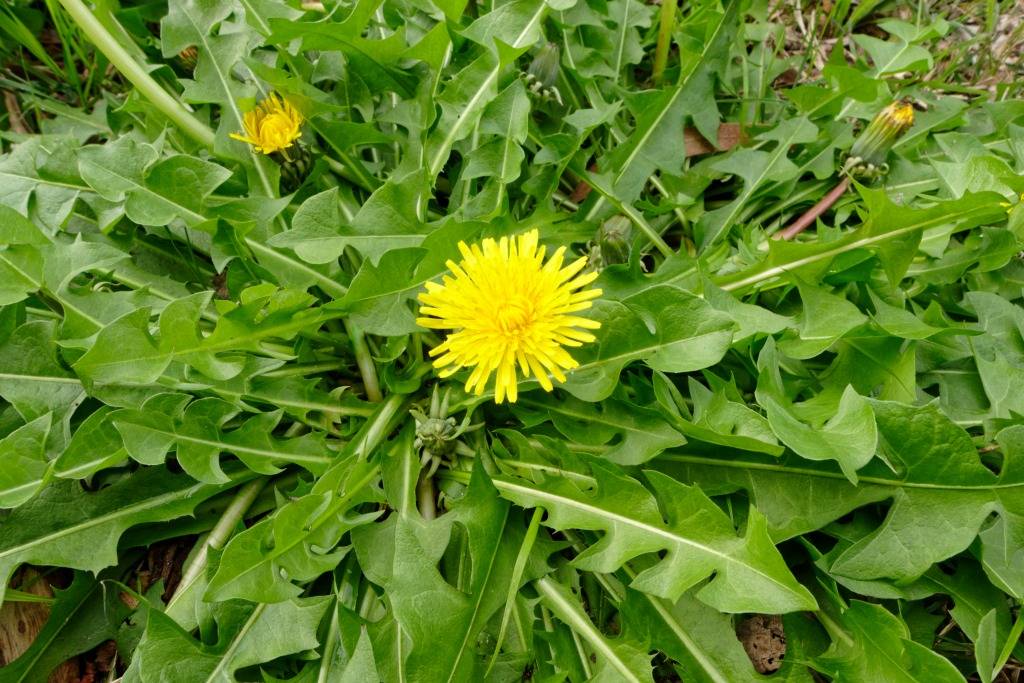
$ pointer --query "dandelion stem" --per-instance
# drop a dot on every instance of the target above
(666, 22)
(800, 224)
(364, 360)
(426, 498)
(221, 532)
(136, 74)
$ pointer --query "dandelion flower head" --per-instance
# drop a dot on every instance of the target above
(899, 114)
(273, 126)
(507, 308)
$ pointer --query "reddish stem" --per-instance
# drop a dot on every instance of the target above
(801, 224)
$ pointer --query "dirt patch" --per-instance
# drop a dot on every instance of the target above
(21, 622)
(764, 640)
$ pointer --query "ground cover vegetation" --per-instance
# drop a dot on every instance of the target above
(550, 340)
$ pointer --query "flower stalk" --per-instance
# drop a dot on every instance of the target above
(666, 22)
(866, 160)
(218, 536)
(133, 71)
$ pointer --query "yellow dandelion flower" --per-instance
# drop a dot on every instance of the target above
(507, 307)
(273, 126)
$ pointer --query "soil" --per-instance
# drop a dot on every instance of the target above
(764, 640)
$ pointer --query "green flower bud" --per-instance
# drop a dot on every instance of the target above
(544, 67)
(542, 74)
(188, 58)
(295, 166)
(615, 238)
(870, 149)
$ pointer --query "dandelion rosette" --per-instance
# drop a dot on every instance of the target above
(507, 308)
(273, 126)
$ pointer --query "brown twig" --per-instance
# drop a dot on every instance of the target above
(811, 215)
(15, 119)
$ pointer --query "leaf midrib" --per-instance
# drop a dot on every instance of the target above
(43, 181)
(229, 98)
(878, 481)
(675, 539)
(691, 646)
(229, 344)
(236, 642)
(142, 189)
(58, 631)
(750, 188)
(762, 273)
(605, 418)
(481, 592)
(584, 627)
(227, 447)
(120, 512)
(642, 351)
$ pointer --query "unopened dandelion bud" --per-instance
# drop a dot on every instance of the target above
(542, 74)
(189, 57)
(870, 149)
(296, 168)
(615, 238)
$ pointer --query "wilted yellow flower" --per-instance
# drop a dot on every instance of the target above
(507, 307)
(273, 126)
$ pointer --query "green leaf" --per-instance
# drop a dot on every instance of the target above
(715, 418)
(941, 493)
(757, 168)
(126, 351)
(639, 434)
(749, 574)
(669, 329)
(38, 181)
(266, 632)
(618, 660)
(985, 647)
(869, 643)
(408, 574)
(929, 447)
(887, 223)
(82, 616)
(999, 353)
(701, 640)
(93, 446)
(153, 192)
(464, 98)
(655, 141)
(197, 432)
(505, 120)
(900, 54)
(825, 318)
(298, 542)
(32, 378)
(849, 437)
(374, 60)
(378, 300)
(67, 527)
(387, 220)
(23, 464)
